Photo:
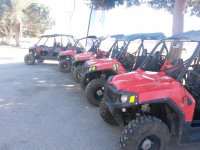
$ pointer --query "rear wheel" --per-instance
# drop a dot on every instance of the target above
(105, 114)
(29, 59)
(95, 91)
(76, 73)
(145, 133)
(65, 66)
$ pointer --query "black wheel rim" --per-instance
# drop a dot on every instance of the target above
(98, 93)
(64, 66)
(29, 59)
(150, 142)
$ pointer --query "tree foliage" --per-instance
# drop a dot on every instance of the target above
(193, 6)
(36, 20)
(176, 7)
(109, 4)
(23, 17)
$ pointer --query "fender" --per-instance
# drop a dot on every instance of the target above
(84, 56)
(106, 64)
(76, 63)
(99, 73)
(184, 127)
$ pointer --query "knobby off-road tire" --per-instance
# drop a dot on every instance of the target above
(65, 66)
(76, 73)
(145, 132)
(105, 114)
(94, 91)
(82, 84)
(29, 59)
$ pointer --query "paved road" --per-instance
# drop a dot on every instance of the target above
(43, 109)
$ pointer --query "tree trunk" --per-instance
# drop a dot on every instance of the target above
(177, 27)
(17, 33)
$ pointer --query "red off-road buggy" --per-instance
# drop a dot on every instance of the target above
(157, 105)
(65, 58)
(48, 48)
(127, 58)
(103, 47)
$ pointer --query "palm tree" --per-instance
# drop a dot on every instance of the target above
(14, 9)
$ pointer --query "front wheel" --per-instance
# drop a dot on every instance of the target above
(29, 59)
(65, 66)
(145, 133)
(105, 114)
(76, 73)
(94, 91)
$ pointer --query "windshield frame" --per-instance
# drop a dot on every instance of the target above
(190, 60)
(187, 62)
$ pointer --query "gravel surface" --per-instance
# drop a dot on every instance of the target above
(43, 109)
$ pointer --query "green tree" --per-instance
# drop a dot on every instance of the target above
(36, 20)
(16, 17)
(176, 7)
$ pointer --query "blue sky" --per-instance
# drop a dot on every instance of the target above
(119, 20)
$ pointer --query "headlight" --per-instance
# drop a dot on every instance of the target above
(92, 68)
(124, 98)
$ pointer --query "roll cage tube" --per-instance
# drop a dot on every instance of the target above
(136, 53)
(175, 71)
(98, 43)
(79, 45)
(95, 46)
(122, 51)
(185, 69)
(141, 46)
(112, 49)
(143, 65)
(41, 39)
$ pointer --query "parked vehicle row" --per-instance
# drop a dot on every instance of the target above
(139, 87)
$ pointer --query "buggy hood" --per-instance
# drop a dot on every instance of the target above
(68, 52)
(143, 82)
(104, 63)
(84, 56)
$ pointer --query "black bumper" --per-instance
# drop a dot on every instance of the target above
(115, 110)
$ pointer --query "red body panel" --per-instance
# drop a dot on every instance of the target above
(152, 85)
(68, 52)
(85, 56)
(106, 63)
(166, 65)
